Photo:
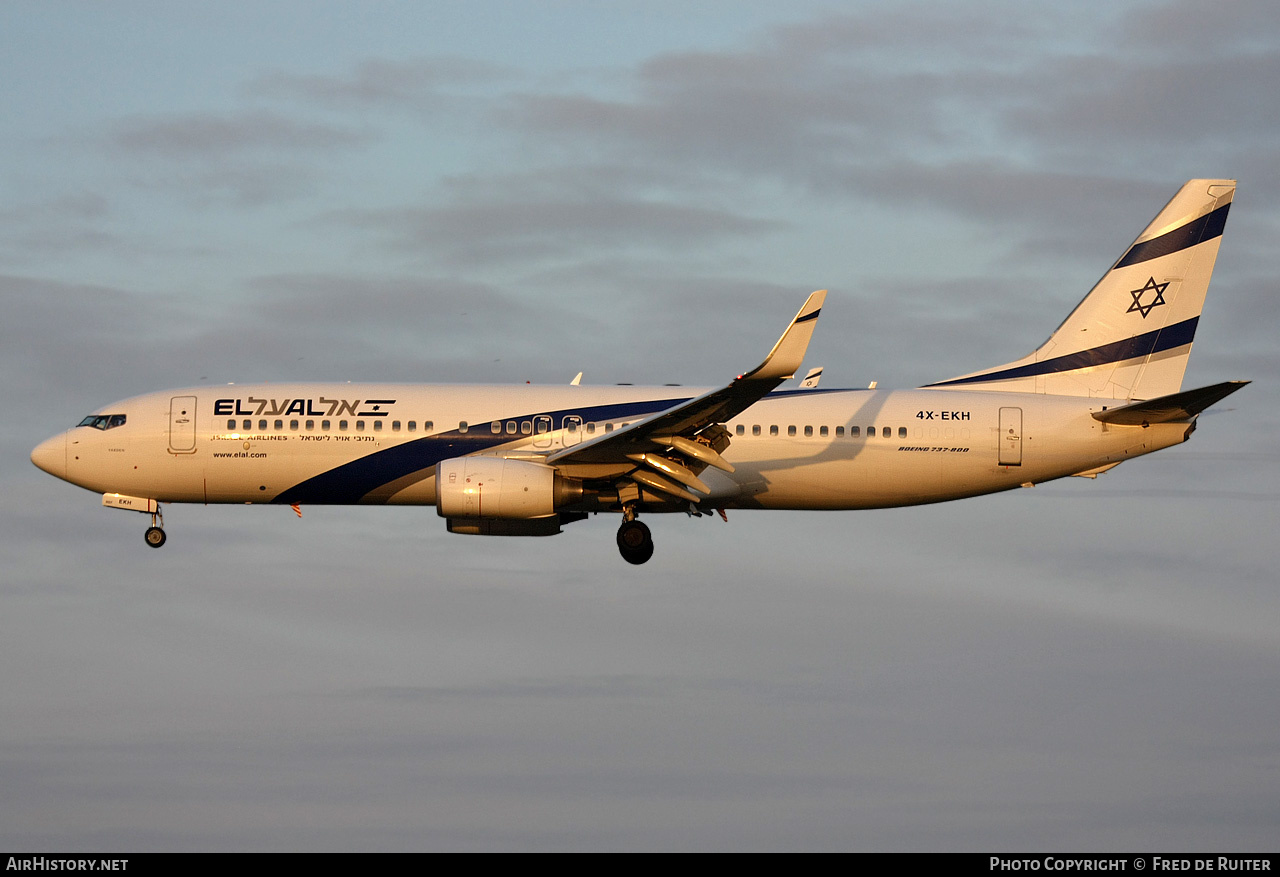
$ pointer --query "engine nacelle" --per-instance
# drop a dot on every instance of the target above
(494, 487)
(548, 526)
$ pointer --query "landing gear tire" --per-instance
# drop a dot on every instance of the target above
(155, 537)
(635, 542)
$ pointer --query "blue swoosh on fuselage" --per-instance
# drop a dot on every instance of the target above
(349, 483)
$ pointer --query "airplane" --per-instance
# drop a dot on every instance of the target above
(527, 460)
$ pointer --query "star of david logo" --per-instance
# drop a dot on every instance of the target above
(1151, 286)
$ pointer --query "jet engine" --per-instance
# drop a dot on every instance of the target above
(498, 488)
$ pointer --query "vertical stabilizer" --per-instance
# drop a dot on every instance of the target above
(1131, 336)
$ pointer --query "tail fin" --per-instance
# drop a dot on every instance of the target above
(1131, 336)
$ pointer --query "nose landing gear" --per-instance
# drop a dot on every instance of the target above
(155, 533)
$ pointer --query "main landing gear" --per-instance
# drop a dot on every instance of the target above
(635, 542)
(155, 533)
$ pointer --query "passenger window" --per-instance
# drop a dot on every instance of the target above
(808, 432)
(231, 425)
(496, 427)
(902, 432)
(413, 426)
(293, 425)
(773, 429)
(791, 430)
(608, 427)
(839, 432)
(311, 424)
(377, 426)
(822, 430)
(342, 424)
(279, 424)
(248, 425)
(395, 426)
(755, 429)
(511, 427)
(428, 425)
(887, 432)
(324, 424)
(591, 428)
(871, 432)
(570, 426)
(526, 427)
(262, 425)
(740, 429)
(855, 431)
(359, 426)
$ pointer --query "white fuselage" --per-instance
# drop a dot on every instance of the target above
(379, 443)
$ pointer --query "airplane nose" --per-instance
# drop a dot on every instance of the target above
(51, 455)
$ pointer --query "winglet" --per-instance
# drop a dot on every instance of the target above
(787, 355)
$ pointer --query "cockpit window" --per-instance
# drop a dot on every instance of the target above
(103, 421)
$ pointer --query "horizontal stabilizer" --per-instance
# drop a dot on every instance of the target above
(1179, 406)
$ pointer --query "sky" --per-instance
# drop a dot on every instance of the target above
(196, 194)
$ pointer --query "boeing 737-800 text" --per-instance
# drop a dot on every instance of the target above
(526, 460)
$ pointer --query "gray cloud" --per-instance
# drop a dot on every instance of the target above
(840, 102)
(1161, 105)
(422, 83)
(476, 233)
(201, 135)
(1187, 26)
(73, 222)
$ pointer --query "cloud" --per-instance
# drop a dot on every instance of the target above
(1146, 107)
(420, 84)
(530, 231)
(1177, 26)
(908, 100)
(73, 222)
(244, 158)
(204, 135)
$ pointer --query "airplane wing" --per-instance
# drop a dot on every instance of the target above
(668, 448)
(1178, 406)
